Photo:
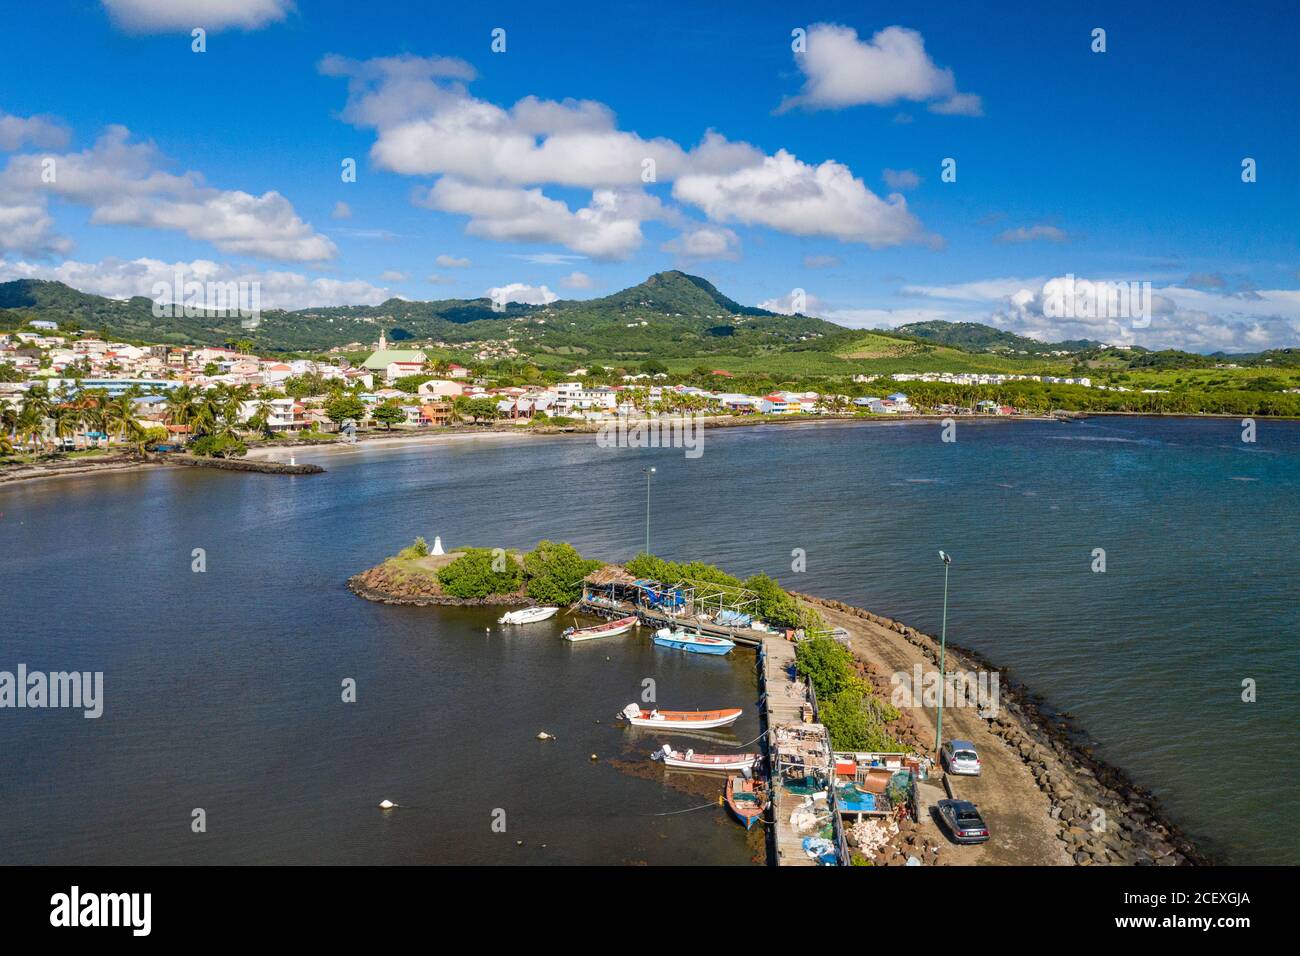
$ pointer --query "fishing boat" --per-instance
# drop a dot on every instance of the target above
(690, 760)
(695, 643)
(685, 719)
(609, 629)
(746, 799)
(527, 615)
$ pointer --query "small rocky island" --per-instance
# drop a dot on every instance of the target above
(469, 576)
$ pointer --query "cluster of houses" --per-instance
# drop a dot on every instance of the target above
(986, 378)
(89, 362)
(74, 363)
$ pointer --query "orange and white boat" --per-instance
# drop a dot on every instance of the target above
(608, 629)
(690, 760)
(683, 719)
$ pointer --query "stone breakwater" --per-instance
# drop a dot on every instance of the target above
(240, 464)
(1101, 816)
(387, 586)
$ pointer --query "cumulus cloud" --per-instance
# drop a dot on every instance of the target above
(123, 184)
(392, 275)
(27, 227)
(609, 228)
(341, 211)
(841, 70)
(795, 197)
(578, 280)
(704, 242)
(165, 16)
(436, 279)
(1039, 233)
(452, 262)
(1196, 320)
(494, 161)
(901, 179)
(122, 279)
(519, 292)
(43, 132)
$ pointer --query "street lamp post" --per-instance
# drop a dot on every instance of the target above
(648, 472)
(943, 644)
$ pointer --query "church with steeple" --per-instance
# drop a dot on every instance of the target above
(383, 356)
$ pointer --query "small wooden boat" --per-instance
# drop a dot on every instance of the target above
(695, 643)
(685, 719)
(609, 629)
(690, 760)
(528, 615)
(746, 799)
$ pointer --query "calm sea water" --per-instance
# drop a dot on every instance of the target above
(223, 688)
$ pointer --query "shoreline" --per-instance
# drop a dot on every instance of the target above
(1054, 749)
(121, 462)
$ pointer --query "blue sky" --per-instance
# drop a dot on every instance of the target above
(523, 170)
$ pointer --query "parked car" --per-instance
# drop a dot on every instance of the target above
(963, 821)
(960, 757)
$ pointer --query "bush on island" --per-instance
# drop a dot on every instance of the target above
(473, 575)
(555, 571)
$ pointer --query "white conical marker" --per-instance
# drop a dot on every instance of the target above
(437, 545)
(386, 805)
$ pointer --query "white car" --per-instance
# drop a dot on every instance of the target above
(959, 757)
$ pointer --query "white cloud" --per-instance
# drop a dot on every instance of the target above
(841, 70)
(901, 179)
(163, 16)
(794, 197)
(493, 162)
(43, 132)
(519, 292)
(704, 242)
(27, 227)
(608, 228)
(578, 280)
(1033, 234)
(452, 262)
(392, 275)
(820, 262)
(122, 279)
(436, 279)
(1196, 320)
(341, 211)
(123, 185)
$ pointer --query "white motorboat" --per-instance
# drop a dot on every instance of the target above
(528, 615)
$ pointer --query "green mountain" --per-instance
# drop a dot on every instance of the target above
(976, 337)
(670, 315)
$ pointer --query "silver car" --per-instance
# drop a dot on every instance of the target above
(960, 757)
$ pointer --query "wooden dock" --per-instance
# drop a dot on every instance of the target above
(784, 701)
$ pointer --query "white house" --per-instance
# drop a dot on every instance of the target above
(441, 388)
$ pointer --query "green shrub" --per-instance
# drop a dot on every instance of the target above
(555, 571)
(417, 549)
(218, 446)
(472, 575)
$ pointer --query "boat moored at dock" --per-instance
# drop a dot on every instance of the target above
(610, 629)
(690, 760)
(746, 799)
(695, 643)
(685, 719)
(528, 615)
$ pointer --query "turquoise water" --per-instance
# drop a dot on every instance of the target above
(223, 688)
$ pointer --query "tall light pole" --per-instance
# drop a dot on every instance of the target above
(943, 644)
(648, 472)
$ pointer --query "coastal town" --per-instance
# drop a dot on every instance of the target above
(46, 374)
